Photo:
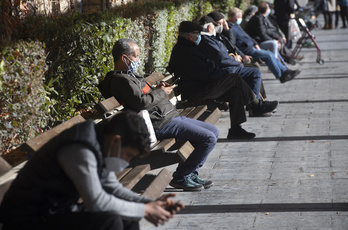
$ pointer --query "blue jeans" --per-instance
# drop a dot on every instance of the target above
(270, 45)
(276, 67)
(203, 136)
(252, 76)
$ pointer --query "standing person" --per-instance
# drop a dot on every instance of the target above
(81, 163)
(344, 12)
(284, 10)
(136, 94)
(329, 9)
(202, 79)
(250, 47)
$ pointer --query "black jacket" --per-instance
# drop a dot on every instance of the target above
(128, 88)
(194, 69)
(42, 187)
(260, 29)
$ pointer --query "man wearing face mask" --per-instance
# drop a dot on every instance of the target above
(216, 51)
(203, 79)
(269, 38)
(81, 163)
(136, 94)
(227, 36)
(251, 47)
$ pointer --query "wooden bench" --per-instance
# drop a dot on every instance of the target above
(168, 151)
(137, 178)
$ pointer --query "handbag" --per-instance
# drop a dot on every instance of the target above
(294, 30)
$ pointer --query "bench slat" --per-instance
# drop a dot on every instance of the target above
(213, 117)
(4, 166)
(124, 172)
(197, 112)
(163, 146)
(155, 77)
(109, 104)
(157, 186)
(37, 142)
(134, 176)
(185, 151)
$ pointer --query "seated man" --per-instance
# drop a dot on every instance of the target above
(249, 46)
(202, 79)
(216, 51)
(81, 163)
(261, 29)
(136, 94)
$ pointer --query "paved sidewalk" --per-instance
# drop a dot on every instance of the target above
(294, 174)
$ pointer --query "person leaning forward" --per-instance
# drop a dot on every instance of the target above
(202, 79)
(81, 163)
(136, 94)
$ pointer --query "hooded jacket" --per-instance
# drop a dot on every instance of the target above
(134, 93)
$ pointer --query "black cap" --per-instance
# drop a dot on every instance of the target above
(216, 16)
(189, 27)
(207, 19)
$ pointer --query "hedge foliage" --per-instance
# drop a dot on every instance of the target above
(75, 54)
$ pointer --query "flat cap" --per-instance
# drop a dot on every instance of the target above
(207, 19)
(216, 15)
(188, 27)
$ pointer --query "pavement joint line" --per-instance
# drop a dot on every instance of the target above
(289, 138)
(276, 207)
(314, 101)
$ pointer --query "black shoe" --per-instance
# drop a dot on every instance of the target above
(239, 133)
(292, 61)
(206, 183)
(288, 75)
(264, 107)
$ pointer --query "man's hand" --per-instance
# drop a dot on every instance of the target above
(247, 59)
(257, 47)
(225, 25)
(162, 209)
(166, 87)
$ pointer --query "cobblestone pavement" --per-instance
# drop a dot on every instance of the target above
(294, 174)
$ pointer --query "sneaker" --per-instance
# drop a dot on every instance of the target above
(264, 107)
(185, 183)
(239, 133)
(206, 183)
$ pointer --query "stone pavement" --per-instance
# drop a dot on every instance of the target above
(294, 174)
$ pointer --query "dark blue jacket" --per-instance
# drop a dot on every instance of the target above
(215, 50)
(243, 41)
(194, 68)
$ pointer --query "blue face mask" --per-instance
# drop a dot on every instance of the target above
(268, 12)
(134, 65)
(239, 21)
(199, 38)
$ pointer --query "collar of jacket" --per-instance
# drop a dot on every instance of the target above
(185, 42)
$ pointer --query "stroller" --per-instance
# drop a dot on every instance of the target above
(306, 26)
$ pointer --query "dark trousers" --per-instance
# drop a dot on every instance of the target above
(284, 27)
(87, 221)
(232, 89)
(344, 15)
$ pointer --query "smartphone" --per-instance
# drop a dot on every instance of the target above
(176, 81)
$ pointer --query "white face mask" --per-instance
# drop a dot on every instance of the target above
(218, 29)
(115, 164)
(239, 21)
